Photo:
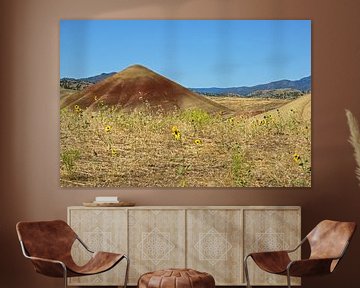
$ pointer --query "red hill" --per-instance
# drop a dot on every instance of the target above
(137, 87)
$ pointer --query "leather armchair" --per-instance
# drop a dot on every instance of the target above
(48, 245)
(328, 242)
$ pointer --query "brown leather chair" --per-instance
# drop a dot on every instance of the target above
(328, 242)
(48, 245)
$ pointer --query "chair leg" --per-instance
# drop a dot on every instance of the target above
(288, 278)
(127, 271)
(65, 276)
(246, 270)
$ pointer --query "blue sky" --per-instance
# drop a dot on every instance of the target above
(194, 53)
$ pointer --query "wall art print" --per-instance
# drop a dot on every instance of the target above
(185, 103)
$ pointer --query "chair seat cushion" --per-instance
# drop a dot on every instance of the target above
(176, 278)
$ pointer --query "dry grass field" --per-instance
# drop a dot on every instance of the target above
(189, 148)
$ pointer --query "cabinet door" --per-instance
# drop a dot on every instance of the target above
(156, 240)
(269, 230)
(214, 244)
(101, 230)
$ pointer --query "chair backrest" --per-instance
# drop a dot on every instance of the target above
(46, 239)
(329, 239)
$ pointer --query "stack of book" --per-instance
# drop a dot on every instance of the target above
(106, 199)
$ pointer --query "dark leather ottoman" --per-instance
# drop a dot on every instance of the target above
(176, 278)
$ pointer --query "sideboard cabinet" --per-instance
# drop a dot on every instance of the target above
(211, 239)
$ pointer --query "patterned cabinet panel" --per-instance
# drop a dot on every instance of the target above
(209, 239)
(101, 230)
(156, 240)
(214, 244)
(271, 229)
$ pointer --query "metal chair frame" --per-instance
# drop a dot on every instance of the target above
(23, 249)
(288, 276)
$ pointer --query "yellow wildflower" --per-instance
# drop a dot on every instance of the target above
(197, 141)
(174, 129)
(230, 120)
(296, 157)
(108, 128)
(77, 109)
(177, 135)
(114, 152)
(262, 122)
(176, 132)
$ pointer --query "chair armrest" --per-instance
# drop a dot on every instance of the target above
(84, 245)
(268, 254)
(48, 267)
(309, 267)
(45, 260)
(280, 251)
(298, 246)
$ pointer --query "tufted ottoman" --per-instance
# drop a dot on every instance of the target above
(176, 278)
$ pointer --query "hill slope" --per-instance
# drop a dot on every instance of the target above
(300, 106)
(138, 87)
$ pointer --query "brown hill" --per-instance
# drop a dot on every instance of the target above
(137, 87)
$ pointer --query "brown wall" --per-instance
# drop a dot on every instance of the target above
(29, 111)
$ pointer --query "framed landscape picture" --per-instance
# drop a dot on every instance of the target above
(185, 103)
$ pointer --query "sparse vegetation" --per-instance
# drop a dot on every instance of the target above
(189, 148)
(277, 93)
(73, 84)
(68, 159)
(240, 168)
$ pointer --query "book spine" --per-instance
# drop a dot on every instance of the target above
(106, 199)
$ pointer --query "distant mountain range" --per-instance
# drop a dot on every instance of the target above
(92, 79)
(263, 90)
(304, 85)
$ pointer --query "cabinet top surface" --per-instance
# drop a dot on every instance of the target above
(192, 207)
